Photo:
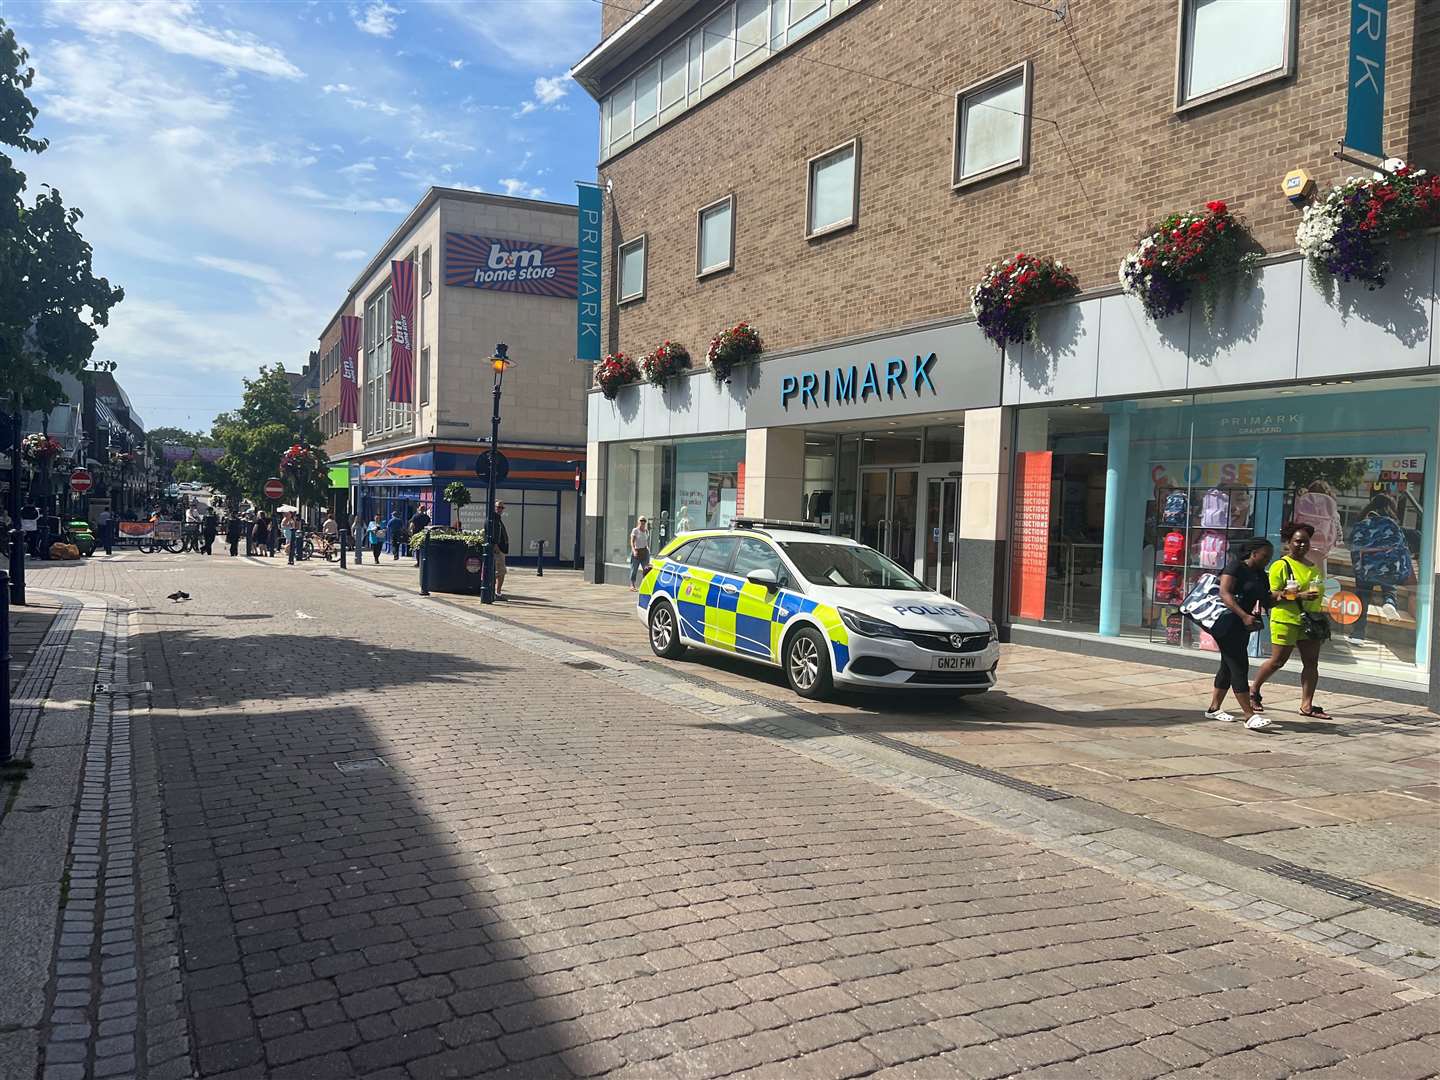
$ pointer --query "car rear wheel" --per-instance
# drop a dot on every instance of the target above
(807, 664)
(665, 632)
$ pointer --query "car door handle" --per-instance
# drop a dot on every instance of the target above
(731, 589)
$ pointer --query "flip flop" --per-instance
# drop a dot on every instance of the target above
(1315, 713)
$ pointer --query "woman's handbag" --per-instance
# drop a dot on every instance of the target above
(1315, 625)
(1202, 605)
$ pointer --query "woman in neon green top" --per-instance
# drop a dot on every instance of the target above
(1298, 587)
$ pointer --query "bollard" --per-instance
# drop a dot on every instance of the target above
(540, 558)
(425, 564)
(5, 667)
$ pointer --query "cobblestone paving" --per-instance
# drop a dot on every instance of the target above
(530, 869)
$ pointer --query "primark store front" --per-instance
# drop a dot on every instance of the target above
(1075, 488)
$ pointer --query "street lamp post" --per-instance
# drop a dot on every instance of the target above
(17, 536)
(498, 363)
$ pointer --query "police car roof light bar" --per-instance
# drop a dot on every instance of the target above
(775, 523)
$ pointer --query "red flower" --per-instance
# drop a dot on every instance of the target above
(1216, 207)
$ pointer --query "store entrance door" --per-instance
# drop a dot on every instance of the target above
(889, 503)
(942, 528)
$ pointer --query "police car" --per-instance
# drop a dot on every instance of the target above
(825, 609)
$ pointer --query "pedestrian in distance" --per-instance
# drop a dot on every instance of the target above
(190, 537)
(329, 532)
(395, 532)
(419, 522)
(639, 552)
(502, 548)
(234, 529)
(1244, 590)
(1298, 618)
(288, 526)
(260, 534)
(106, 523)
(209, 527)
(375, 537)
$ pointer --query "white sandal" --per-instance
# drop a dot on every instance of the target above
(1220, 714)
(1259, 723)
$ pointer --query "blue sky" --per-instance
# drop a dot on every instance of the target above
(237, 162)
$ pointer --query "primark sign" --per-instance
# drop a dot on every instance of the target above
(921, 372)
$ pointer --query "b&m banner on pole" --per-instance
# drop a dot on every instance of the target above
(402, 344)
(587, 304)
(349, 369)
(1365, 92)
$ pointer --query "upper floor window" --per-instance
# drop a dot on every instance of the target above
(738, 36)
(992, 126)
(632, 270)
(425, 280)
(715, 236)
(833, 199)
(1229, 45)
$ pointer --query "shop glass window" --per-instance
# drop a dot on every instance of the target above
(680, 485)
(901, 446)
(992, 126)
(834, 190)
(945, 443)
(1232, 43)
(819, 483)
(632, 270)
(847, 479)
(716, 234)
(425, 281)
(424, 375)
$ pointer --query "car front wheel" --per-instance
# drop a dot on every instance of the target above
(807, 664)
(665, 632)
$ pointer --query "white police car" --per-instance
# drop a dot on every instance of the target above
(827, 610)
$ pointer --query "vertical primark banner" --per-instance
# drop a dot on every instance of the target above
(1365, 92)
(587, 306)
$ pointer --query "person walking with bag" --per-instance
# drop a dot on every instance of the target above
(1243, 590)
(1298, 618)
(375, 537)
(234, 528)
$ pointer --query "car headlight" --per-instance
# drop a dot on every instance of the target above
(866, 626)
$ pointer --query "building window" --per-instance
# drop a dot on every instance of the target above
(425, 374)
(992, 126)
(715, 237)
(425, 281)
(833, 199)
(738, 36)
(1230, 45)
(632, 270)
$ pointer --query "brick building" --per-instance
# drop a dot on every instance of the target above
(840, 173)
(405, 454)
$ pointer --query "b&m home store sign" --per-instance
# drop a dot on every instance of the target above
(921, 372)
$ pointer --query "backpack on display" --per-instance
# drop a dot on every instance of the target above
(1377, 548)
(1214, 550)
(1215, 510)
(1167, 587)
(1319, 511)
(1176, 510)
(1174, 549)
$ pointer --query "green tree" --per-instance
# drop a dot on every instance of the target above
(457, 495)
(255, 436)
(51, 302)
(161, 435)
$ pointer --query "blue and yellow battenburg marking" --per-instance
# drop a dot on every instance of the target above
(740, 618)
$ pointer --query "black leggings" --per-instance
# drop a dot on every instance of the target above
(1234, 643)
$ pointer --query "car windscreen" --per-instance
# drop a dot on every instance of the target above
(847, 566)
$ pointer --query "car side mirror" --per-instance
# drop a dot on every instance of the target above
(763, 576)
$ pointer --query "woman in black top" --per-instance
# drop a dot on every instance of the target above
(1244, 588)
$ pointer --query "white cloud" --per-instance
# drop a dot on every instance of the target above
(81, 87)
(176, 27)
(457, 64)
(240, 268)
(358, 169)
(377, 18)
(337, 88)
(532, 33)
(351, 254)
(384, 108)
(520, 189)
(549, 91)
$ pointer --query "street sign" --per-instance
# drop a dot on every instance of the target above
(482, 465)
(274, 489)
(80, 481)
(577, 478)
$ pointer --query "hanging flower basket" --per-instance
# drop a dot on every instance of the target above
(1196, 252)
(38, 447)
(738, 345)
(1004, 301)
(1347, 233)
(297, 457)
(613, 372)
(123, 457)
(664, 362)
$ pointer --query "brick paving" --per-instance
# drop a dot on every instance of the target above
(1358, 797)
(547, 874)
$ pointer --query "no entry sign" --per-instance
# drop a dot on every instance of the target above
(81, 481)
(274, 489)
